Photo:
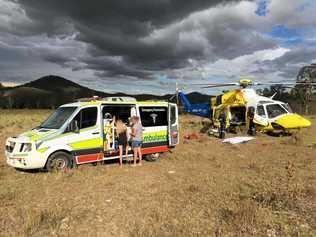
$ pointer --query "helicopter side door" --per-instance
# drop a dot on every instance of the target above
(261, 117)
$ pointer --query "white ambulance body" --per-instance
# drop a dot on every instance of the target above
(83, 132)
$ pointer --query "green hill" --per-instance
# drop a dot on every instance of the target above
(53, 91)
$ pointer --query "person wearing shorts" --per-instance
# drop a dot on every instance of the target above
(137, 139)
(122, 139)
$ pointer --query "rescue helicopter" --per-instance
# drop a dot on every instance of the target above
(269, 115)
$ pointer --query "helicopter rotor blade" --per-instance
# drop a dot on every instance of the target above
(284, 83)
(250, 83)
(219, 85)
(214, 85)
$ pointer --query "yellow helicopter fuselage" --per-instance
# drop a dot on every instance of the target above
(269, 114)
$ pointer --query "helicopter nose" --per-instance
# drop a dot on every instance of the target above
(291, 121)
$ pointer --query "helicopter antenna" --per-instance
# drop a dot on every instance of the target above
(271, 97)
(175, 94)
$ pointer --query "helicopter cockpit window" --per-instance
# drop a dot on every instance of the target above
(260, 111)
(288, 108)
(275, 110)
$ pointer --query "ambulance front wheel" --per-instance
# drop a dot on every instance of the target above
(152, 157)
(59, 161)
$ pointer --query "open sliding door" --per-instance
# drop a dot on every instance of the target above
(173, 125)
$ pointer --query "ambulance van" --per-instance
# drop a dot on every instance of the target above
(84, 132)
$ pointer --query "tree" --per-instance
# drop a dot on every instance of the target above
(10, 102)
(279, 91)
(304, 92)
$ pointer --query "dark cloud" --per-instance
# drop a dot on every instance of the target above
(113, 67)
(119, 27)
(297, 56)
(231, 44)
(140, 39)
(289, 64)
(125, 16)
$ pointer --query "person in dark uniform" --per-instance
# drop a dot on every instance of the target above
(222, 122)
(122, 139)
(251, 117)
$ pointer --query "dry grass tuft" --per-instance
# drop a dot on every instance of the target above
(262, 188)
(43, 222)
(296, 139)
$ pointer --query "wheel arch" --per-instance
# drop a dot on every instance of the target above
(73, 160)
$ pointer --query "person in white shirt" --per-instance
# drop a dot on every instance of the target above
(137, 139)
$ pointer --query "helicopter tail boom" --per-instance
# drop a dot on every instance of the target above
(202, 109)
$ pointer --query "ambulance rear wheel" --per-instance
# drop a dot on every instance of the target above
(152, 157)
(59, 161)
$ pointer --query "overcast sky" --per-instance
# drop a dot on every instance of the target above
(140, 46)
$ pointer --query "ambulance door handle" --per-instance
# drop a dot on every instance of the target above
(95, 133)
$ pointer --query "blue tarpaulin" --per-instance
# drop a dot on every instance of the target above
(201, 109)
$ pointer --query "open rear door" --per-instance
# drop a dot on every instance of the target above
(173, 125)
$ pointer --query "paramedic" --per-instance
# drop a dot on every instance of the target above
(222, 122)
(137, 139)
(121, 130)
(252, 126)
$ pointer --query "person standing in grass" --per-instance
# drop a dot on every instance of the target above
(252, 125)
(121, 131)
(222, 124)
(137, 139)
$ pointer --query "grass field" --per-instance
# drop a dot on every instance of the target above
(266, 187)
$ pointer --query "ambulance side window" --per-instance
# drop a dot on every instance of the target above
(154, 116)
(87, 117)
(120, 112)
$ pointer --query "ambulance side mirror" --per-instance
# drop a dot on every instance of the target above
(73, 126)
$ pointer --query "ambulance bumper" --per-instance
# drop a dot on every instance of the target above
(23, 160)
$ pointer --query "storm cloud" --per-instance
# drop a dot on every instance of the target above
(143, 40)
(289, 63)
(123, 28)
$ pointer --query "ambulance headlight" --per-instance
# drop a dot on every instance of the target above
(26, 147)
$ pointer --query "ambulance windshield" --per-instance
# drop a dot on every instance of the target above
(58, 118)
